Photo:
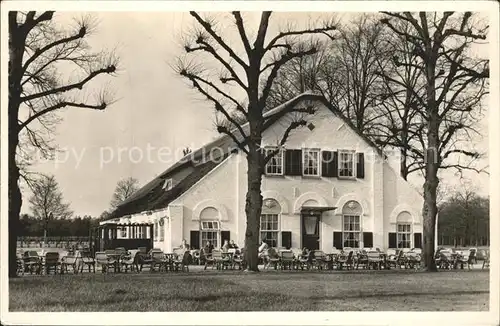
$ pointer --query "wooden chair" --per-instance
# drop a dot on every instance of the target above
(319, 259)
(238, 260)
(396, 260)
(209, 260)
(105, 261)
(70, 260)
(158, 260)
(271, 258)
(87, 260)
(52, 262)
(362, 259)
(32, 262)
(374, 259)
(286, 259)
(129, 261)
(220, 261)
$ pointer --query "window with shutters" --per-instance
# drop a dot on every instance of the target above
(269, 222)
(311, 162)
(351, 231)
(404, 235)
(346, 164)
(210, 231)
(404, 230)
(275, 164)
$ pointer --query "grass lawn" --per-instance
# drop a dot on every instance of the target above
(460, 290)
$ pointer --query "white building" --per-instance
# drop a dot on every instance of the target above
(330, 187)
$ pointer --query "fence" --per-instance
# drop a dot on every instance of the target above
(52, 242)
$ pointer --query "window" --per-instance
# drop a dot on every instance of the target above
(140, 232)
(275, 164)
(346, 164)
(404, 235)
(351, 213)
(310, 162)
(269, 222)
(156, 230)
(123, 232)
(269, 229)
(167, 185)
(210, 231)
(352, 231)
(162, 229)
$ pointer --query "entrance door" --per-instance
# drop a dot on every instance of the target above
(310, 231)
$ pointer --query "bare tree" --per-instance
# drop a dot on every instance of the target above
(39, 50)
(47, 201)
(253, 72)
(455, 82)
(124, 189)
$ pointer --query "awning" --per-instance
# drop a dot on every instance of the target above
(315, 209)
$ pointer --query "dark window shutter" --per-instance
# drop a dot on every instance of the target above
(328, 164)
(286, 239)
(360, 166)
(293, 162)
(337, 240)
(195, 239)
(224, 235)
(367, 239)
(335, 164)
(417, 243)
(392, 240)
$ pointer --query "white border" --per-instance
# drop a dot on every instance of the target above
(253, 318)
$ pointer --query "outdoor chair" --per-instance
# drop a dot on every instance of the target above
(20, 264)
(445, 260)
(374, 260)
(130, 261)
(220, 261)
(196, 256)
(209, 261)
(271, 258)
(70, 260)
(319, 259)
(471, 259)
(362, 259)
(32, 262)
(396, 259)
(287, 259)
(158, 260)
(238, 260)
(486, 261)
(105, 262)
(52, 262)
(413, 260)
(87, 260)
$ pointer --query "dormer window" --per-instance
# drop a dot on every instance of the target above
(167, 185)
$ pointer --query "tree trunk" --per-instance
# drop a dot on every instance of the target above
(253, 209)
(16, 51)
(431, 168)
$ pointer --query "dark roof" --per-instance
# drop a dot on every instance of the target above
(152, 196)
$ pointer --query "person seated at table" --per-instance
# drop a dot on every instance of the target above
(263, 248)
(207, 250)
(225, 246)
(232, 245)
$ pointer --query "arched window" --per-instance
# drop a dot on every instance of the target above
(404, 230)
(210, 226)
(269, 222)
(351, 216)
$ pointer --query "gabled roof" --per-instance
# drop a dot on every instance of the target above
(152, 196)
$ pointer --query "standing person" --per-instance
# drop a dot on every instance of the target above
(225, 246)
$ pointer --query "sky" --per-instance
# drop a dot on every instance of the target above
(155, 109)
